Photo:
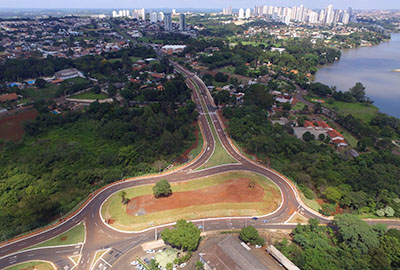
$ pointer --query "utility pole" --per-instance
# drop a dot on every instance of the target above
(155, 234)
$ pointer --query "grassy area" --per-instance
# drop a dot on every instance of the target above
(49, 91)
(197, 150)
(75, 259)
(365, 112)
(227, 69)
(220, 156)
(114, 209)
(73, 236)
(98, 254)
(299, 106)
(313, 204)
(134, 59)
(89, 95)
(34, 265)
(167, 256)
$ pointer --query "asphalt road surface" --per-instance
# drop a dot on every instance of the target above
(100, 236)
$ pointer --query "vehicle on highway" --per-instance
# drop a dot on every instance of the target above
(265, 221)
(200, 227)
(254, 218)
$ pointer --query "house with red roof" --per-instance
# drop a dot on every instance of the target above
(8, 97)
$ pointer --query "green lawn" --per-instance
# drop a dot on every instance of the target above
(362, 111)
(220, 156)
(133, 59)
(49, 91)
(227, 69)
(73, 236)
(299, 106)
(197, 150)
(167, 256)
(98, 254)
(34, 265)
(89, 95)
(114, 209)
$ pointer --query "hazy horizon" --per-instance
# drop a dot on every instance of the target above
(205, 4)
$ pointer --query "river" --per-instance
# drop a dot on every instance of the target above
(373, 66)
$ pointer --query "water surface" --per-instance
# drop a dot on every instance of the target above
(373, 66)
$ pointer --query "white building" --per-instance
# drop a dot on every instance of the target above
(248, 13)
(241, 13)
(161, 16)
(153, 17)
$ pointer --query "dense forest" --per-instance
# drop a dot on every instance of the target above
(65, 157)
(349, 244)
(367, 184)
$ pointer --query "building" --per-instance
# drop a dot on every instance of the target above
(168, 22)
(182, 22)
(66, 74)
(241, 13)
(153, 17)
(8, 97)
(161, 16)
(229, 254)
(248, 13)
(281, 258)
(227, 11)
(173, 49)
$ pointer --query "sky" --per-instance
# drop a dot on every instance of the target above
(356, 4)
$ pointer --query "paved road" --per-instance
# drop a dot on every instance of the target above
(100, 236)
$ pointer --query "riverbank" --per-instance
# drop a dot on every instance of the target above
(372, 66)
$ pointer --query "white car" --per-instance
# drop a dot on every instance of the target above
(258, 246)
(150, 251)
(134, 262)
(182, 265)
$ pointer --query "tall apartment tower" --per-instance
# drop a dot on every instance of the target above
(182, 22)
(330, 15)
(168, 22)
(241, 13)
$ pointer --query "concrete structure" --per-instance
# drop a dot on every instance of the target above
(182, 22)
(153, 17)
(66, 74)
(281, 258)
(248, 13)
(241, 13)
(168, 22)
(229, 254)
(173, 49)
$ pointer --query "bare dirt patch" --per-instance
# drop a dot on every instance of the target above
(12, 126)
(232, 191)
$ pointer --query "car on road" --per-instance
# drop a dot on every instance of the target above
(182, 265)
(134, 262)
(254, 218)
(150, 251)
(200, 227)
(265, 221)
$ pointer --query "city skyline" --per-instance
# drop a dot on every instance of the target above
(357, 4)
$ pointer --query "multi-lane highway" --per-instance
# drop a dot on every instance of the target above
(100, 236)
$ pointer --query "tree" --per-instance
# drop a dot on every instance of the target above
(162, 189)
(96, 89)
(307, 136)
(40, 83)
(358, 92)
(124, 199)
(356, 233)
(332, 194)
(185, 235)
(199, 265)
(221, 77)
(250, 235)
(252, 183)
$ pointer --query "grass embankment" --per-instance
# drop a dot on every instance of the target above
(75, 235)
(36, 265)
(98, 254)
(89, 95)
(115, 210)
(219, 156)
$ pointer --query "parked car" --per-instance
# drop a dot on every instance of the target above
(150, 251)
(182, 265)
(134, 262)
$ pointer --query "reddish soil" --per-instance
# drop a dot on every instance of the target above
(232, 191)
(11, 126)
(185, 156)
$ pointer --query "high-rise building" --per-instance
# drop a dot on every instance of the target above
(114, 14)
(330, 15)
(313, 17)
(160, 16)
(173, 11)
(227, 11)
(345, 17)
(248, 13)
(153, 17)
(241, 13)
(168, 22)
(143, 14)
(182, 22)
